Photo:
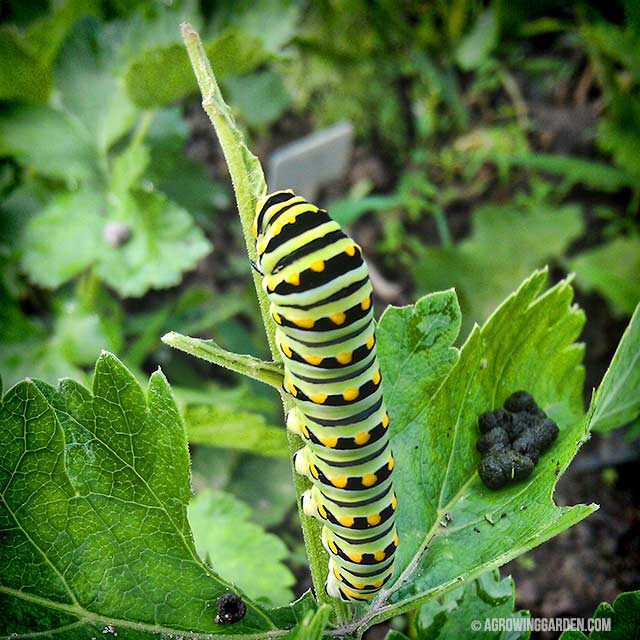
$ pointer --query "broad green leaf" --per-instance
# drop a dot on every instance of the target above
(239, 550)
(612, 270)
(164, 243)
(506, 243)
(94, 488)
(346, 211)
(163, 74)
(128, 168)
(528, 343)
(27, 56)
(260, 97)
(424, 332)
(617, 400)
(71, 235)
(65, 239)
(89, 91)
(470, 610)
(618, 622)
(67, 155)
(231, 427)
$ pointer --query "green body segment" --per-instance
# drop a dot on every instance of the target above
(320, 294)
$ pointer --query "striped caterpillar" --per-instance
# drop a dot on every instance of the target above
(320, 294)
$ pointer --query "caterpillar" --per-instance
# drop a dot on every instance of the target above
(320, 299)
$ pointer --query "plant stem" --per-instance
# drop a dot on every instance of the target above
(268, 372)
(249, 185)
(142, 128)
(442, 226)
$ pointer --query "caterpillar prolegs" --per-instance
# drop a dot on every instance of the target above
(320, 294)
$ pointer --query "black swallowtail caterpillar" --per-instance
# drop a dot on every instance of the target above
(320, 294)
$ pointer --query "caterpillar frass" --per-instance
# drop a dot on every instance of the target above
(320, 294)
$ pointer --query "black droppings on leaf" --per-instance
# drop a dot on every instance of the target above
(520, 401)
(513, 439)
(229, 609)
(497, 438)
(476, 529)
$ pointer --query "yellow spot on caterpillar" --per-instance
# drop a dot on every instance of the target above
(394, 502)
(355, 557)
(292, 388)
(378, 583)
(318, 398)
(379, 555)
(370, 341)
(395, 539)
(260, 247)
(304, 430)
(293, 278)
(277, 317)
(317, 266)
(351, 394)
(358, 585)
(390, 463)
(351, 250)
(314, 470)
(344, 357)
(329, 441)
(336, 573)
(385, 420)
(271, 285)
(338, 318)
(304, 323)
(340, 482)
(332, 546)
(315, 360)
(366, 303)
(362, 437)
(369, 479)
(376, 378)
(373, 519)
(286, 349)
(346, 521)
(255, 229)
(322, 511)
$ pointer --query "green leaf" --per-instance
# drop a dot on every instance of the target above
(66, 155)
(27, 56)
(424, 332)
(239, 550)
(313, 625)
(65, 238)
(260, 97)
(163, 74)
(526, 344)
(624, 616)
(89, 90)
(94, 487)
(612, 270)
(506, 243)
(618, 134)
(264, 483)
(466, 612)
(164, 243)
(476, 46)
(230, 427)
(617, 400)
(346, 211)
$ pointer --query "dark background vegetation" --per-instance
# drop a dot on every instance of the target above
(492, 138)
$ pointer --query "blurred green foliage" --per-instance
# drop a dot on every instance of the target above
(506, 136)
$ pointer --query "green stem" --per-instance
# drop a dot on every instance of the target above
(249, 185)
(441, 226)
(142, 128)
(268, 372)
